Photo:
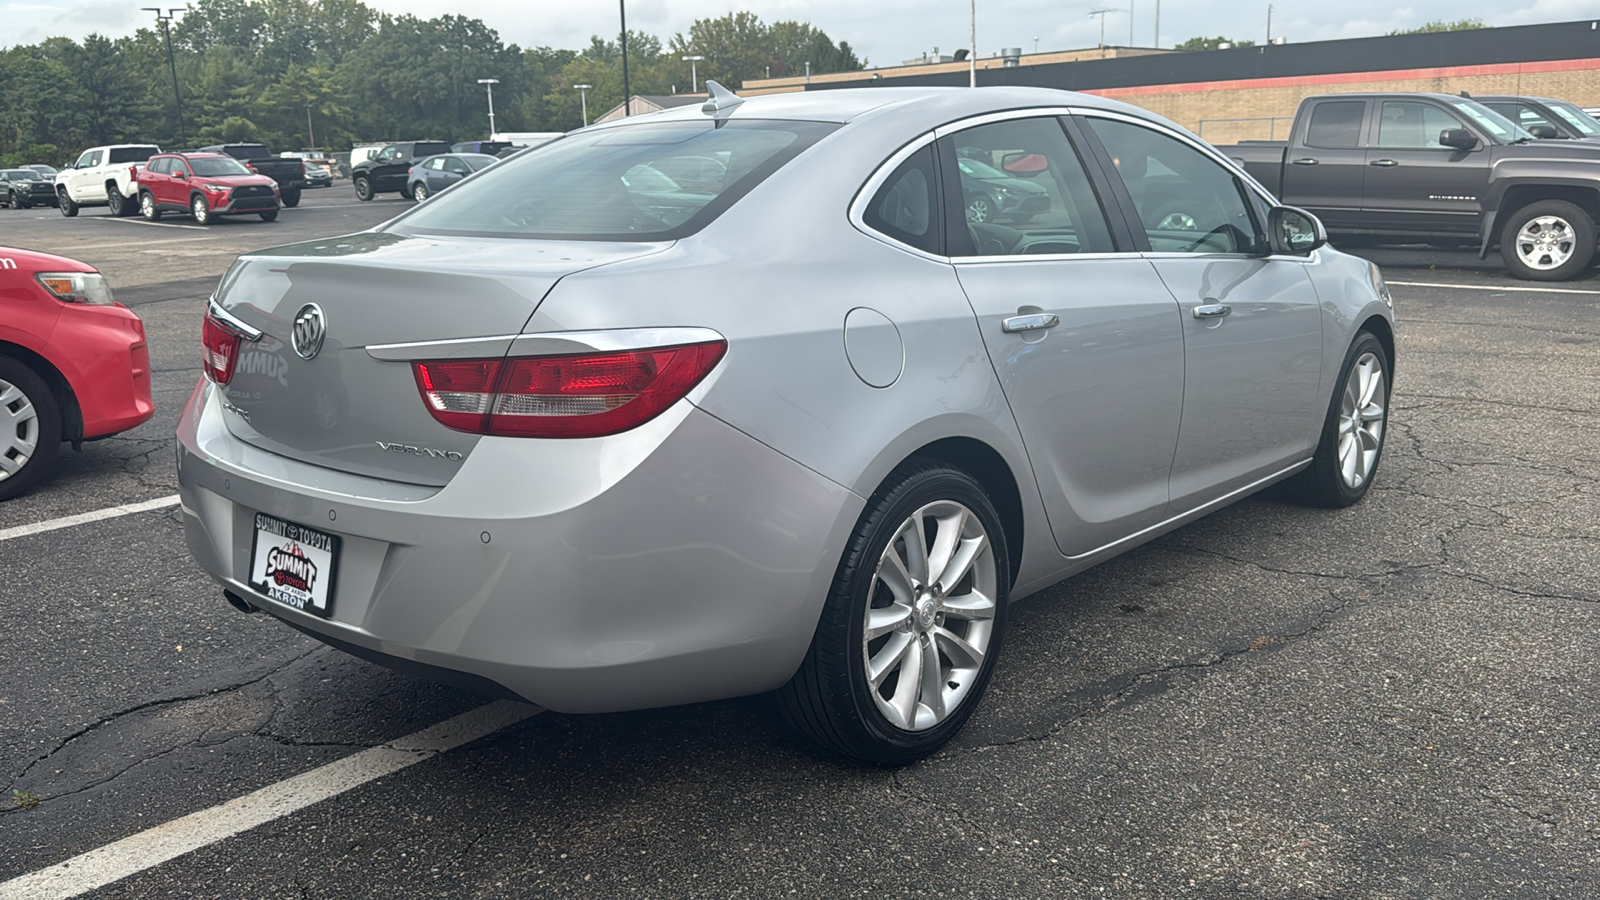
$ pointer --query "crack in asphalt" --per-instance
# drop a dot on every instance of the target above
(160, 702)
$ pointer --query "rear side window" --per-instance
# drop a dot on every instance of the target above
(429, 148)
(160, 166)
(906, 207)
(612, 184)
(1336, 125)
(132, 154)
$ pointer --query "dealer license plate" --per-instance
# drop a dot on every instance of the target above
(294, 564)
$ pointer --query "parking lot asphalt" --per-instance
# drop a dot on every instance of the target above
(1393, 700)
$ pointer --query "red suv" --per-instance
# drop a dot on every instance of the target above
(74, 365)
(205, 185)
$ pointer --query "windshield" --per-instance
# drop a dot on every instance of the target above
(1580, 121)
(979, 170)
(216, 167)
(1498, 126)
(608, 184)
(43, 170)
(22, 174)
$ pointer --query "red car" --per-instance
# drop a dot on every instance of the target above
(205, 185)
(73, 363)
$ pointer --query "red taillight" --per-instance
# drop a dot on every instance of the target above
(584, 395)
(219, 351)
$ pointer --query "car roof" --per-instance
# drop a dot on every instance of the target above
(199, 154)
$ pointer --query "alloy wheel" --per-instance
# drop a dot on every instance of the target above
(19, 430)
(978, 210)
(1545, 242)
(1361, 420)
(930, 616)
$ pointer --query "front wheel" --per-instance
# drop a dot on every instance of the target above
(291, 199)
(911, 629)
(1352, 434)
(30, 428)
(270, 215)
(363, 189)
(980, 209)
(201, 210)
(1551, 240)
(65, 203)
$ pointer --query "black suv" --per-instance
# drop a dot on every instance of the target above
(386, 171)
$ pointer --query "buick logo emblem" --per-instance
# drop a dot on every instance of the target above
(309, 329)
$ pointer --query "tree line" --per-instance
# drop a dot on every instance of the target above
(332, 73)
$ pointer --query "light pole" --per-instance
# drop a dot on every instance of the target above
(627, 94)
(311, 136)
(583, 97)
(694, 81)
(972, 48)
(166, 31)
(488, 86)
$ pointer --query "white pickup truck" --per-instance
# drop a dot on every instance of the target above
(104, 176)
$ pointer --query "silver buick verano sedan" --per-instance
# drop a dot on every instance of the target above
(745, 398)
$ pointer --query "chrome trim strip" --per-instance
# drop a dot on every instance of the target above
(1198, 511)
(231, 322)
(545, 343)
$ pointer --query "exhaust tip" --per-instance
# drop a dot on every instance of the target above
(238, 602)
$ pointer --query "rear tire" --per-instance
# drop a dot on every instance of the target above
(291, 199)
(937, 612)
(1347, 456)
(1551, 240)
(363, 188)
(420, 192)
(65, 203)
(117, 204)
(30, 428)
(148, 208)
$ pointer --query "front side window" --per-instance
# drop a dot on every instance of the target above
(388, 153)
(606, 185)
(1024, 191)
(89, 159)
(1408, 125)
(1186, 201)
(906, 207)
(1336, 124)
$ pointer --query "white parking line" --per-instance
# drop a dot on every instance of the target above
(1488, 287)
(136, 853)
(149, 224)
(110, 512)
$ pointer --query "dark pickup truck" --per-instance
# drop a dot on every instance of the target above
(1438, 169)
(290, 174)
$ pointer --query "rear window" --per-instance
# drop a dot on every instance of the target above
(614, 184)
(1336, 125)
(429, 148)
(132, 154)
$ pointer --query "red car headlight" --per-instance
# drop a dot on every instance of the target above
(89, 288)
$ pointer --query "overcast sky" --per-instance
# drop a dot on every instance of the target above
(884, 32)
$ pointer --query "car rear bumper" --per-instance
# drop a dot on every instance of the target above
(678, 562)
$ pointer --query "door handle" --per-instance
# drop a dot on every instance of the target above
(1212, 311)
(1032, 322)
(1386, 163)
(1306, 161)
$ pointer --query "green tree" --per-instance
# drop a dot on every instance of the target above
(740, 47)
(1205, 43)
(1441, 25)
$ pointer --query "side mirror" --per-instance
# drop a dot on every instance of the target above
(1458, 138)
(1294, 231)
(1025, 164)
(1546, 132)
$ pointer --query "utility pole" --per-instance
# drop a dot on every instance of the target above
(1158, 24)
(1130, 23)
(488, 85)
(627, 93)
(172, 65)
